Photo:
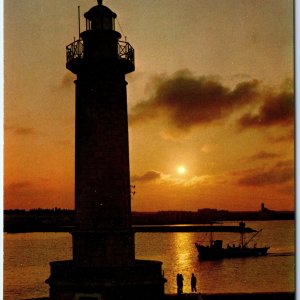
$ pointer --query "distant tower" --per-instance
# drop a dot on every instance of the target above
(103, 265)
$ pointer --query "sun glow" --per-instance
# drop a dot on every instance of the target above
(181, 170)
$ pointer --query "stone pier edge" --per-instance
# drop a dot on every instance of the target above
(224, 296)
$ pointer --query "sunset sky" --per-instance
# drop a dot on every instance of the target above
(211, 103)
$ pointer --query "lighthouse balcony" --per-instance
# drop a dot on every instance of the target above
(77, 58)
(74, 51)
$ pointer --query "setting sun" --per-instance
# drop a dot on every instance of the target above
(181, 170)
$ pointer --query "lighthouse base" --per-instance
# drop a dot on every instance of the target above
(141, 280)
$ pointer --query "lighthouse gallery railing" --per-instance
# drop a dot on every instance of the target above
(75, 50)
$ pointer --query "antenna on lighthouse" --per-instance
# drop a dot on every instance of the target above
(99, 2)
(79, 22)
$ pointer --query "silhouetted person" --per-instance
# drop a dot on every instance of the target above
(179, 279)
(181, 283)
(193, 283)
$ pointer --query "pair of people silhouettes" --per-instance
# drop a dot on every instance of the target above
(179, 279)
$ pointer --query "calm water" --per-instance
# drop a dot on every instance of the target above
(27, 257)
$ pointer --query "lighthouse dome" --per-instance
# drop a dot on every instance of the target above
(99, 11)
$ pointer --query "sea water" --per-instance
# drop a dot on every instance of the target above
(27, 257)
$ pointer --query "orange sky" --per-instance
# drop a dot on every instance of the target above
(212, 91)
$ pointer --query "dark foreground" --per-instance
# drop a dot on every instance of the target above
(226, 296)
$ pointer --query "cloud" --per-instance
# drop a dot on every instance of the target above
(187, 100)
(17, 186)
(26, 186)
(266, 178)
(149, 176)
(170, 179)
(285, 164)
(281, 173)
(207, 148)
(187, 182)
(24, 131)
(288, 137)
(263, 155)
(21, 131)
(67, 81)
(277, 109)
(241, 76)
(288, 190)
(26, 194)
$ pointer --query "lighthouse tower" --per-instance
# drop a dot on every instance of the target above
(104, 265)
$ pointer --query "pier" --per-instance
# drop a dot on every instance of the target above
(192, 228)
(225, 296)
(136, 229)
(235, 296)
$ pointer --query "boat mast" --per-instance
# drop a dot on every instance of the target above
(242, 228)
(211, 235)
(242, 239)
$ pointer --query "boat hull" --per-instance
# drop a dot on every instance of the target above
(210, 253)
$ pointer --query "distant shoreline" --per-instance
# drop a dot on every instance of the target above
(62, 220)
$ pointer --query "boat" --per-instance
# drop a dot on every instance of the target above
(215, 250)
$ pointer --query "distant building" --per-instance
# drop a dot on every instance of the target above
(263, 209)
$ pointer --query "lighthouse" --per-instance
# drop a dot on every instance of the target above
(103, 265)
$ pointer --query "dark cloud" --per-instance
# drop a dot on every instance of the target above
(285, 164)
(263, 155)
(187, 100)
(281, 173)
(24, 131)
(276, 110)
(266, 178)
(149, 176)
